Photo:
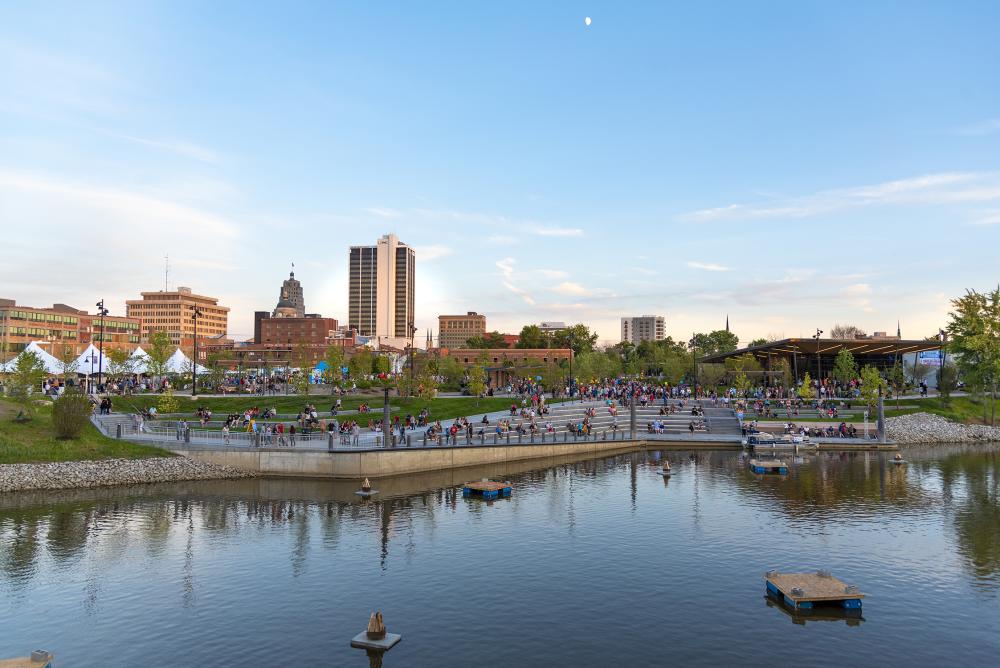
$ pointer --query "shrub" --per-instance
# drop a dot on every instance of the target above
(70, 414)
(167, 403)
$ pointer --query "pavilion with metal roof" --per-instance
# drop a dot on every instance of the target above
(817, 355)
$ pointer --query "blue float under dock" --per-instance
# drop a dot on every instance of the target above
(769, 466)
(486, 489)
(802, 590)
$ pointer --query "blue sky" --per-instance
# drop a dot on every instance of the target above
(790, 164)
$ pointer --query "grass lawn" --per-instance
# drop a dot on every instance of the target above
(959, 409)
(440, 408)
(33, 441)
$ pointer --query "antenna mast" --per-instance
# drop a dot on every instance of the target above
(166, 272)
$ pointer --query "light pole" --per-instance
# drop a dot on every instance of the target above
(819, 367)
(101, 311)
(694, 364)
(570, 339)
(413, 330)
(943, 338)
(195, 314)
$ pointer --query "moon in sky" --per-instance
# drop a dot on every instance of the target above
(587, 21)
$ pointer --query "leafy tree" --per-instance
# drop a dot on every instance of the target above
(360, 364)
(70, 414)
(674, 367)
(25, 380)
(974, 338)
(872, 386)
(578, 337)
(845, 369)
(451, 372)
(738, 367)
(839, 331)
(118, 359)
(531, 337)
(333, 375)
(806, 391)
(477, 377)
(67, 364)
(713, 343)
(947, 382)
(896, 379)
(784, 367)
(160, 350)
(426, 384)
(488, 340)
(711, 375)
(918, 371)
(759, 342)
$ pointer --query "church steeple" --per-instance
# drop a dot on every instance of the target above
(727, 322)
(430, 340)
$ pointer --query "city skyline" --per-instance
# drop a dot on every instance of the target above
(810, 166)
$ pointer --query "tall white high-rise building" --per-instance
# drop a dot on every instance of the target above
(380, 289)
(637, 329)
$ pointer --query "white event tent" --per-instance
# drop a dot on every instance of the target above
(52, 364)
(181, 363)
(90, 361)
(140, 360)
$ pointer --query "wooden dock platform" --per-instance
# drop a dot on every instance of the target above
(802, 590)
(768, 466)
(25, 662)
(488, 489)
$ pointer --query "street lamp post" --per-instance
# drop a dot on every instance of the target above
(943, 338)
(195, 314)
(570, 339)
(819, 364)
(413, 330)
(694, 364)
(101, 311)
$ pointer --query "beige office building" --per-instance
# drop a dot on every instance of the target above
(171, 312)
(380, 289)
(455, 330)
(635, 330)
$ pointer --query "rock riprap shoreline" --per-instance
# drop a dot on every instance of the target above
(930, 428)
(109, 472)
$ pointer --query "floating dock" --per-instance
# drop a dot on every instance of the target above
(802, 590)
(38, 659)
(768, 466)
(487, 489)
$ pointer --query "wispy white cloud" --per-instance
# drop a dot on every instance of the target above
(384, 212)
(988, 217)
(433, 252)
(708, 266)
(551, 273)
(944, 188)
(501, 240)
(557, 231)
(979, 129)
(182, 148)
(570, 288)
(122, 204)
(506, 267)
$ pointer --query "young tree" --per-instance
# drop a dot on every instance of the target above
(160, 350)
(974, 338)
(360, 364)
(897, 381)
(25, 381)
(710, 375)
(67, 365)
(872, 386)
(333, 374)
(477, 378)
(845, 369)
(167, 403)
(947, 382)
(451, 372)
(806, 391)
(117, 359)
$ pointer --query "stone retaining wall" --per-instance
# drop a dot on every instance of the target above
(107, 472)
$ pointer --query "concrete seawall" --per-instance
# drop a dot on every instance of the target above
(385, 463)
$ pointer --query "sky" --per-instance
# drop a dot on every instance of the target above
(789, 165)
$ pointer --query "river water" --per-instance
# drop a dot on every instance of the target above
(595, 562)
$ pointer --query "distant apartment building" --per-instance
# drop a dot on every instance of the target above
(62, 330)
(381, 289)
(635, 330)
(454, 331)
(172, 311)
